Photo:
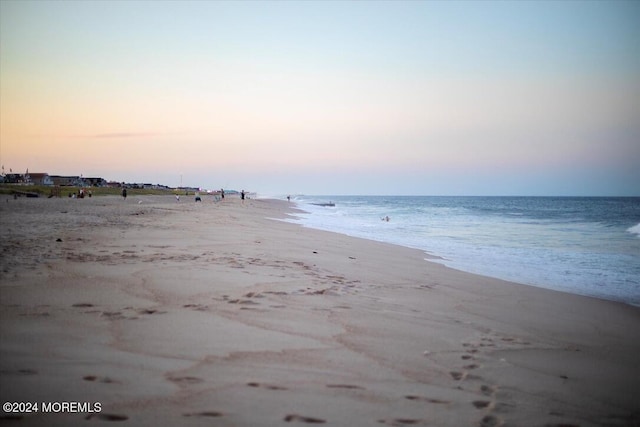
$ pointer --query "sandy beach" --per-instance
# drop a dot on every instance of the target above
(183, 313)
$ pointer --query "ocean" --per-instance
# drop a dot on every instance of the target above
(583, 245)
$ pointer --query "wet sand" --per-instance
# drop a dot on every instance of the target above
(209, 313)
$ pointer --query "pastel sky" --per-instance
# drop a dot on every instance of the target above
(425, 98)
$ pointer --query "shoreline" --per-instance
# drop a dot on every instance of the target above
(436, 259)
(577, 274)
(181, 313)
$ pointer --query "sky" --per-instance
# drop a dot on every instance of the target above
(392, 98)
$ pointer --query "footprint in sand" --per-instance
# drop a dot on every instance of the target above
(186, 380)
(481, 404)
(93, 378)
(300, 418)
(150, 311)
(490, 421)
(427, 399)
(347, 386)
(458, 375)
(321, 291)
(487, 390)
(253, 295)
(113, 315)
(267, 386)
(242, 301)
(486, 342)
(107, 417)
(197, 307)
(402, 421)
(211, 414)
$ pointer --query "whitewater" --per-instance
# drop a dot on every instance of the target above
(583, 245)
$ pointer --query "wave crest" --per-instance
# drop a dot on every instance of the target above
(635, 229)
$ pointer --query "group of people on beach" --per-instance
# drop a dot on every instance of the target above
(242, 194)
(198, 199)
(81, 194)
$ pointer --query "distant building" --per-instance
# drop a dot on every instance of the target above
(38, 178)
(95, 182)
(155, 187)
(15, 178)
(75, 181)
(67, 181)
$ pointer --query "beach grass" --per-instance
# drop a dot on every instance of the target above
(67, 191)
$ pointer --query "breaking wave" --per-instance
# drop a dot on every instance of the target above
(635, 230)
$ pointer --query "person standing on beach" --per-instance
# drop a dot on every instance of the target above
(222, 193)
(242, 194)
(124, 193)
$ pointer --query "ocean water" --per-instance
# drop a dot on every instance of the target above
(582, 245)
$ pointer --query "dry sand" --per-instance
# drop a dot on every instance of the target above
(210, 313)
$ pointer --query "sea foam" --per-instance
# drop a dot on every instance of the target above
(635, 230)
